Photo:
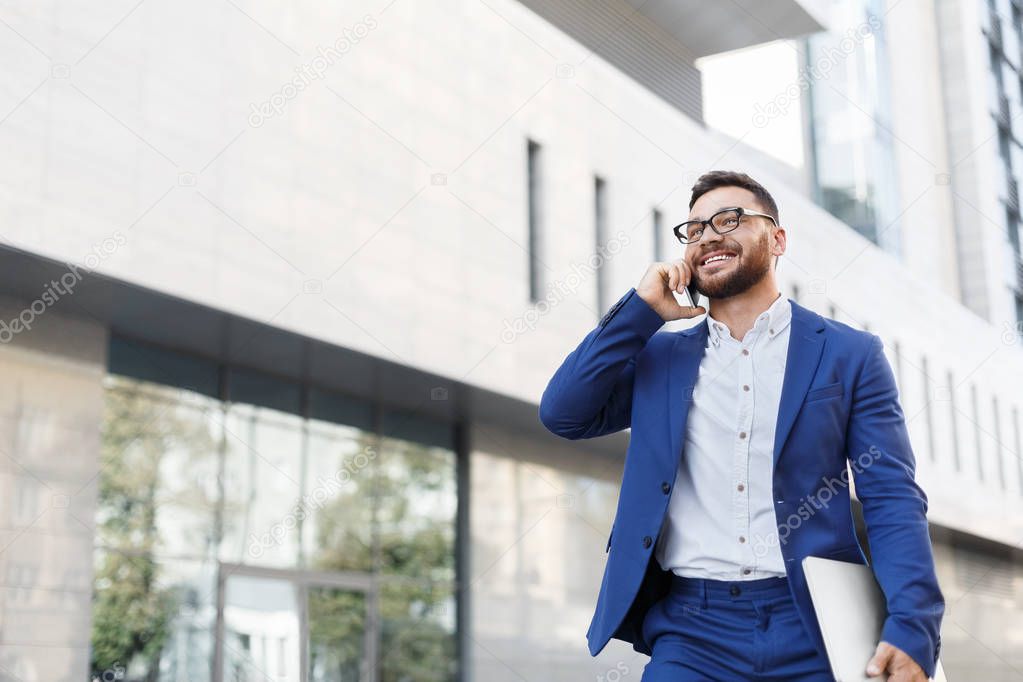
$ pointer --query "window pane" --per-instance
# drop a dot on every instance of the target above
(262, 630)
(338, 498)
(261, 486)
(337, 635)
(417, 632)
(417, 501)
(152, 620)
(158, 484)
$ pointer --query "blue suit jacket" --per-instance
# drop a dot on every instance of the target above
(839, 404)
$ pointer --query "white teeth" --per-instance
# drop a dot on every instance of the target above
(717, 258)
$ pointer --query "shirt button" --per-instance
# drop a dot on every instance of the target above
(647, 541)
(741, 487)
(742, 434)
(742, 538)
(665, 488)
(746, 571)
(745, 387)
(745, 351)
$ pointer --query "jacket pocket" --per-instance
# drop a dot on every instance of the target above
(829, 391)
(849, 553)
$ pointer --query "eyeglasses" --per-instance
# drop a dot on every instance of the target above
(722, 222)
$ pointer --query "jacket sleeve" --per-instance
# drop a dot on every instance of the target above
(895, 512)
(590, 395)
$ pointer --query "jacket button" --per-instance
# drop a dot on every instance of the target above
(735, 591)
(647, 541)
(665, 488)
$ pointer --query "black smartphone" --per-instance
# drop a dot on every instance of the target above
(692, 294)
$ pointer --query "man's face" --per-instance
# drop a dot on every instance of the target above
(748, 247)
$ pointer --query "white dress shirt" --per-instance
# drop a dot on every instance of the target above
(721, 523)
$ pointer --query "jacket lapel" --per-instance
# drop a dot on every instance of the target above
(806, 345)
(683, 371)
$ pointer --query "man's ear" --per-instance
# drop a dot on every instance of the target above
(781, 241)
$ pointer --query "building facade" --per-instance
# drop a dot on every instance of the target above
(282, 286)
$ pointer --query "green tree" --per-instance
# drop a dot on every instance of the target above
(132, 611)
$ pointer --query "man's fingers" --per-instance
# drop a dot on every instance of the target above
(686, 311)
(683, 277)
(879, 662)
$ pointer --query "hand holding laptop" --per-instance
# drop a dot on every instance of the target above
(850, 608)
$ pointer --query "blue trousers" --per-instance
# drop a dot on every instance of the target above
(719, 630)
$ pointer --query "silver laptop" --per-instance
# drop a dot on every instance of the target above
(850, 609)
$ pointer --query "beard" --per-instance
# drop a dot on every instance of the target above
(744, 274)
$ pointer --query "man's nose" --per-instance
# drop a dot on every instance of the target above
(711, 236)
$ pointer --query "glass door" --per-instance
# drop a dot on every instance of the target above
(261, 630)
(293, 626)
(337, 635)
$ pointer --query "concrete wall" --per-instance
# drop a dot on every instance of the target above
(50, 414)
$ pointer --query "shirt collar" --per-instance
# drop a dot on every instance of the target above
(772, 321)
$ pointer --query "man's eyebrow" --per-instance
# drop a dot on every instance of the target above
(717, 210)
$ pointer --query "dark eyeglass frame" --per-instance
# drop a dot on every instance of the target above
(681, 230)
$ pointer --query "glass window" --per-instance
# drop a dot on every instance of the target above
(337, 531)
(417, 500)
(160, 366)
(417, 634)
(159, 463)
(337, 635)
(262, 629)
(850, 118)
(262, 470)
(332, 520)
(152, 619)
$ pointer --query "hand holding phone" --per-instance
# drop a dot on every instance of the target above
(662, 282)
(692, 295)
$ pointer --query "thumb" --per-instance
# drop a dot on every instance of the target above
(882, 655)
(688, 312)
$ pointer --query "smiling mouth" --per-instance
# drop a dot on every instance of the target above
(717, 260)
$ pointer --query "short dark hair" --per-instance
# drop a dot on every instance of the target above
(718, 178)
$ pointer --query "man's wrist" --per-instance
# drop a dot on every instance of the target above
(649, 318)
(897, 635)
